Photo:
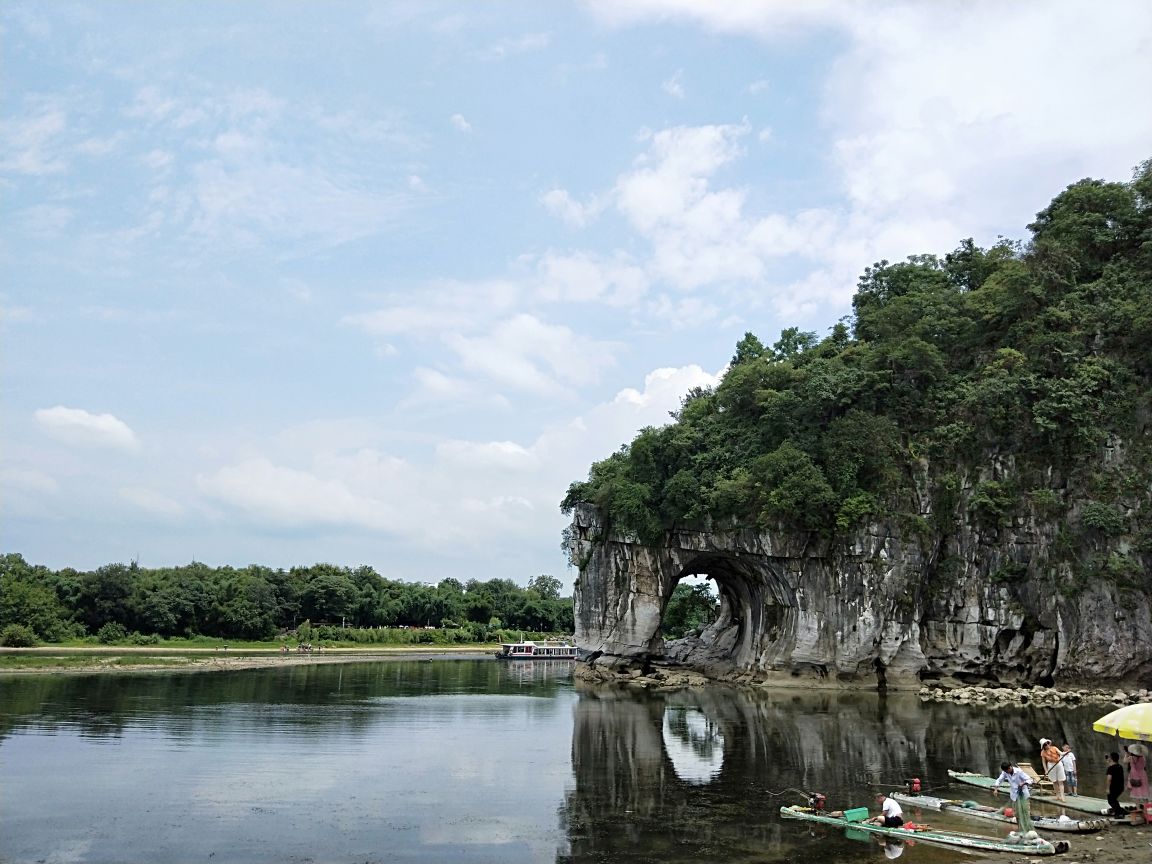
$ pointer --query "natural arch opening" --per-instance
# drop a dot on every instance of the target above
(752, 611)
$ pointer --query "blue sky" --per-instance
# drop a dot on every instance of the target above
(371, 283)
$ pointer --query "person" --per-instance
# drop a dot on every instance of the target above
(1053, 766)
(1019, 790)
(1071, 780)
(1115, 776)
(1135, 759)
(891, 816)
(892, 848)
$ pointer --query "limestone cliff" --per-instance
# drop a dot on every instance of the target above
(878, 610)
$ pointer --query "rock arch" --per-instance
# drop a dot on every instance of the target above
(871, 611)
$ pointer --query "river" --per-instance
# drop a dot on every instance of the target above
(471, 761)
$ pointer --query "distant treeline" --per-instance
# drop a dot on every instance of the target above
(260, 603)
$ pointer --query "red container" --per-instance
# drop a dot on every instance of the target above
(1148, 812)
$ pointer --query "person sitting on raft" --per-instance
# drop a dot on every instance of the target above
(891, 816)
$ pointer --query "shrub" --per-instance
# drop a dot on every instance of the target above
(144, 639)
(111, 633)
(1102, 518)
(18, 636)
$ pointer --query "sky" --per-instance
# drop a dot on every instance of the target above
(372, 283)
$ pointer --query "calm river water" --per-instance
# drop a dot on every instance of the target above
(468, 761)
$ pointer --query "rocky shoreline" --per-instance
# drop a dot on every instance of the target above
(1017, 697)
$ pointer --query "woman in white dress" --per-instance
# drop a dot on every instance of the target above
(1051, 759)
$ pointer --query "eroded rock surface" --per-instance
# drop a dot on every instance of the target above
(879, 611)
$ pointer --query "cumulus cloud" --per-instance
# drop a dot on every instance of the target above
(528, 354)
(459, 123)
(562, 205)
(466, 492)
(76, 426)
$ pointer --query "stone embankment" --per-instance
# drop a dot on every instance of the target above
(1013, 697)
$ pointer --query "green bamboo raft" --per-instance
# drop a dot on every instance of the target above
(994, 814)
(1081, 803)
(1038, 846)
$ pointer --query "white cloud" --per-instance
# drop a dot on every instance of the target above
(505, 48)
(674, 86)
(582, 277)
(283, 496)
(464, 496)
(525, 353)
(559, 203)
(459, 123)
(760, 86)
(33, 144)
(78, 427)
(28, 480)
(151, 501)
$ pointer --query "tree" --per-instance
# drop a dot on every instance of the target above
(546, 587)
(689, 607)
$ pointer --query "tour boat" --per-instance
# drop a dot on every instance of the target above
(536, 651)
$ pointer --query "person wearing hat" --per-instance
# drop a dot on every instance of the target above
(1019, 789)
(1053, 761)
(1135, 758)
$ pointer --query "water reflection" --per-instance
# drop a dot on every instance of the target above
(696, 775)
(469, 761)
(694, 743)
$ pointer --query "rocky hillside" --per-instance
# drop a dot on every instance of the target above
(956, 487)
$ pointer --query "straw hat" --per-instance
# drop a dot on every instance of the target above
(1137, 750)
(1044, 741)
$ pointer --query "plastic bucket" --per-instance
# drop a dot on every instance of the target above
(856, 814)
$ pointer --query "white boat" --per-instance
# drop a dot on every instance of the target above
(536, 651)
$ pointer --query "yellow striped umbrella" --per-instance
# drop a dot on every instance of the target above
(1131, 721)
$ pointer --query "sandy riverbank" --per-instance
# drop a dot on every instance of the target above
(105, 659)
(1113, 845)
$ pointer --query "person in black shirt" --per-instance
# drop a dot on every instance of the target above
(1115, 776)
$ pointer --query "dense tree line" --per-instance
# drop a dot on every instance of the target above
(1014, 381)
(260, 602)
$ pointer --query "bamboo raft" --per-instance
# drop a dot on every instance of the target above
(1038, 846)
(1081, 803)
(994, 814)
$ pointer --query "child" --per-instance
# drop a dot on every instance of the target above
(1069, 759)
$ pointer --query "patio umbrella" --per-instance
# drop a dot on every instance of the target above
(1131, 721)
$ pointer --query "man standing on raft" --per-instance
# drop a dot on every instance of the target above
(1019, 789)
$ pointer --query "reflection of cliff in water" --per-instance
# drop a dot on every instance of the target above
(701, 774)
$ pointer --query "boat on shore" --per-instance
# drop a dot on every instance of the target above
(995, 814)
(527, 650)
(927, 834)
(1081, 803)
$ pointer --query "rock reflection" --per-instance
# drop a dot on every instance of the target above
(701, 774)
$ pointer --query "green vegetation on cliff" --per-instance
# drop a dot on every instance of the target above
(1011, 383)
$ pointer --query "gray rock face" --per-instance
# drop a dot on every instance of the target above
(879, 611)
